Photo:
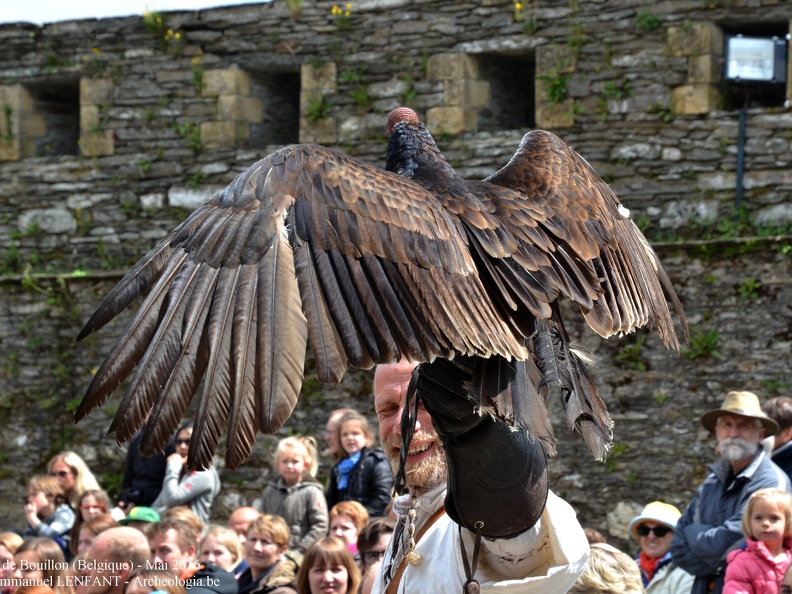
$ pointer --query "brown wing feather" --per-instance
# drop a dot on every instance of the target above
(579, 213)
(307, 244)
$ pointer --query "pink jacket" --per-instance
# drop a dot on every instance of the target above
(752, 570)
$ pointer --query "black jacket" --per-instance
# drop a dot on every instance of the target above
(142, 475)
(783, 458)
(370, 483)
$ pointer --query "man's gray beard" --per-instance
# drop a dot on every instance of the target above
(736, 448)
(425, 475)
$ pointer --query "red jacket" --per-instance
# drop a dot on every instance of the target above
(752, 569)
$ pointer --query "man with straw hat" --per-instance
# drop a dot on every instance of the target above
(710, 526)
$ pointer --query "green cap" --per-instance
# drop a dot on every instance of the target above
(140, 514)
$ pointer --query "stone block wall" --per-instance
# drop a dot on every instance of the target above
(165, 123)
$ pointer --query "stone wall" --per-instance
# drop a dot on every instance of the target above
(112, 130)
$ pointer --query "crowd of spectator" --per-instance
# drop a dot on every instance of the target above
(303, 537)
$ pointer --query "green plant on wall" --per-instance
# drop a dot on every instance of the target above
(191, 132)
(194, 180)
(525, 13)
(359, 92)
(361, 96)
(664, 112)
(630, 355)
(602, 108)
(703, 343)
(776, 386)
(749, 288)
(318, 108)
(556, 84)
(157, 26)
(155, 23)
(577, 36)
(197, 67)
(646, 21)
(617, 91)
(342, 16)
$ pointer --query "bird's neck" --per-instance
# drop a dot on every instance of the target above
(415, 155)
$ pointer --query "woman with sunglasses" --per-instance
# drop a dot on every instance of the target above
(654, 529)
(195, 489)
(73, 475)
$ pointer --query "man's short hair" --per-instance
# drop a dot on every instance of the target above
(125, 544)
(185, 535)
(780, 410)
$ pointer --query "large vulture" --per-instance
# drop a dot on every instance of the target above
(311, 246)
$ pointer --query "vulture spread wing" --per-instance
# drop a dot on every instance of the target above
(310, 246)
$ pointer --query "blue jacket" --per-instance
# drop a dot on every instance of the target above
(710, 526)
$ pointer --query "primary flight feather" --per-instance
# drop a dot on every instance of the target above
(311, 246)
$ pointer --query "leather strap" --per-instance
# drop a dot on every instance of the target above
(393, 586)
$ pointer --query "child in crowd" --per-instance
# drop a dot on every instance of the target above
(759, 566)
(220, 546)
(364, 473)
(47, 512)
(295, 495)
(347, 521)
(91, 504)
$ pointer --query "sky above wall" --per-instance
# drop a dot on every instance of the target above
(49, 11)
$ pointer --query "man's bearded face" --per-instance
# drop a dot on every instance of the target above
(737, 448)
(426, 465)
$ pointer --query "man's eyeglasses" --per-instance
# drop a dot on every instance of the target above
(371, 557)
(182, 442)
(660, 531)
(60, 473)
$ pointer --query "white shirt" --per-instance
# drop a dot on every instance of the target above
(547, 559)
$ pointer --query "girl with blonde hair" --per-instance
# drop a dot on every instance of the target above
(759, 566)
(220, 546)
(73, 475)
(294, 493)
(609, 571)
